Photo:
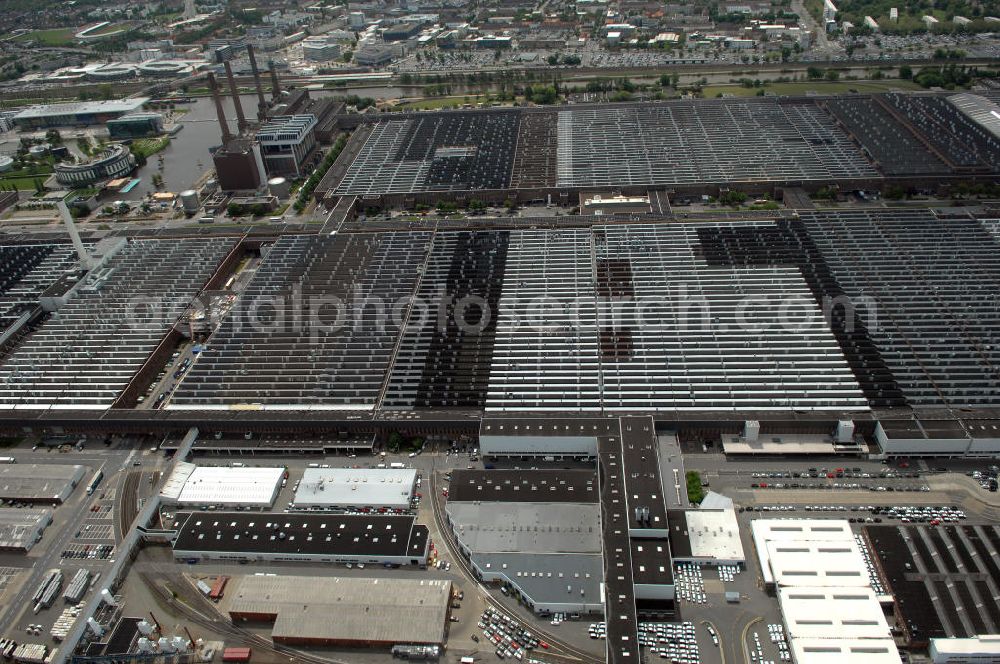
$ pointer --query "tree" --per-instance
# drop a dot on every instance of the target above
(732, 197)
(905, 72)
(814, 73)
(694, 489)
(832, 74)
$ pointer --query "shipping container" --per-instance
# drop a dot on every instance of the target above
(236, 655)
(218, 588)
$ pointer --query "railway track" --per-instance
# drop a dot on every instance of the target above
(128, 503)
(165, 586)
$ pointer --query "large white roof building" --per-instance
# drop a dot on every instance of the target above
(390, 488)
(190, 485)
(830, 610)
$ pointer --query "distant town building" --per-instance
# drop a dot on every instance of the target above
(829, 11)
(373, 54)
(320, 49)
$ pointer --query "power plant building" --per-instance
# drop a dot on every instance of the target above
(238, 165)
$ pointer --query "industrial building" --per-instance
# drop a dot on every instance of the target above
(39, 483)
(287, 143)
(984, 648)
(115, 161)
(27, 271)
(787, 549)
(523, 486)
(942, 580)
(239, 165)
(343, 611)
(76, 113)
(824, 588)
(301, 537)
(854, 142)
(351, 488)
(222, 486)
(20, 529)
(85, 357)
(709, 535)
(535, 532)
(503, 527)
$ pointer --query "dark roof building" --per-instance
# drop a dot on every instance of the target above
(336, 538)
(524, 486)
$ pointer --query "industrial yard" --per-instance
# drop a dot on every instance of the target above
(544, 352)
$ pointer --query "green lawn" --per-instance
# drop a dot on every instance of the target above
(438, 102)
(819, 87)
(53, 37)
(25, 183)
(147, 147)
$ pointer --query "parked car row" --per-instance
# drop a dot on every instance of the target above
(676, 642)
(873, 576)
(689, 583)
(835, 473)
(840, 486)
(777, 633)
(511, 639)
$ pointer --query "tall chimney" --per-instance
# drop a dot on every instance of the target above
(214, 87)
(261, 102)
(86, 262)
(241, 120)
(275, 83)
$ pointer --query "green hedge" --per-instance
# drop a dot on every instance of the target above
(695, 492)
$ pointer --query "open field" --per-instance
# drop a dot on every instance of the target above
(434, 103)
(53, 37)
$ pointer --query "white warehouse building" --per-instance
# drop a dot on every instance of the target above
(349, 488)
(192, 486)
(830, 610)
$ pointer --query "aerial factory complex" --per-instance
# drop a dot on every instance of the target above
(292, 375)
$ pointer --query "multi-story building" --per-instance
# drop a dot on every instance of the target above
(135, 125)
(320, 49)
(373, 54)
(286, 143)
(115, 162)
